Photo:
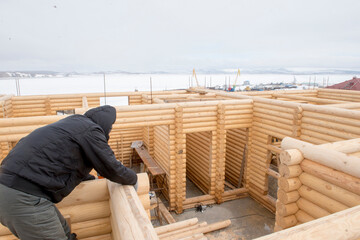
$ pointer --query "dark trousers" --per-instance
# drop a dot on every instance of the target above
(30, 217)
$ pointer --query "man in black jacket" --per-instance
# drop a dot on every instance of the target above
(45, 166)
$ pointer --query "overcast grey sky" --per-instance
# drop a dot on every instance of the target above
(133, 35)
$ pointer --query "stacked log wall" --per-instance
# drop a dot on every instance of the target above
(198, 158)
(320, 124)
(203, 117)
(316, 181)
(339, 94)
(265, 118)
(120, 142)
(43, 105)
(162, 149)
(27, 106)
(272, 119)
(236, 139)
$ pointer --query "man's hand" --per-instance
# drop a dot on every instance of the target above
(89, 177)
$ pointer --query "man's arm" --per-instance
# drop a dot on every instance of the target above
(98, 152)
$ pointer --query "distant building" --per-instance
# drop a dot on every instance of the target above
(246, 82)
(353, 84)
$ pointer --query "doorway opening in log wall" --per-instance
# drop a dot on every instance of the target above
(236, 158)
(198, 160)
(273, 163)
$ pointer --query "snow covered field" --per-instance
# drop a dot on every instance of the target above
(141, 82)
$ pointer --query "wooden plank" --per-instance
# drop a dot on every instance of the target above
(165, 213)
(150, 163)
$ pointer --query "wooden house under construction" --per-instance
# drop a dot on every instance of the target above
(231, 145)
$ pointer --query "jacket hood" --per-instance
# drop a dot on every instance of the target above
(104, 116)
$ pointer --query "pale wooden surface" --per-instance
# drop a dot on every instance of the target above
(325, 156)
(344, 225)
(129, 218)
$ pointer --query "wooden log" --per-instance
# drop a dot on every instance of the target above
(272, 173)
(276, 102)
(345, 92)
(332, 176)
(286, 209)
(273, 123)
(274, 107)
(329, 133)
(330, 190)
(324, 156)
(303, 217)
(86, 192)
(332, 111)
(291, 157)
(309, 99)
(143, 184)
(198, 236)
(270, 132)
(179, 231)
(4, 231)
(290, 171)
(286, 222)
(328, 126)
(176, 226)
(133, 114)
(8, 237)
(287, 197)
(205, 229)
(342, 225)
(273, 118)
(274, 149)
(352, 105)
(347, 146)
(332, 118)
(15, 122)
(289, 184)
(311, 208)
(86, 211)
(321, 200)
(92, 228)
(99, 237)
(312, 139)
(274, 113)
(128, 214)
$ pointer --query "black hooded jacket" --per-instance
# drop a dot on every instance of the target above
(52, 160)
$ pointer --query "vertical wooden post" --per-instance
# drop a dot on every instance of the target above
(2, 110)
(180, 151)
(172, 167)
(297, 122)
(213, 163)
(247, 165)
(149, 139)
(48, 106)
(85, 102)
(220, 153)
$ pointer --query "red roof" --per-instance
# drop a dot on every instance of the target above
(353, 84)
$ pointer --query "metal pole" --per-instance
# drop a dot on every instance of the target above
(104, 89)
(151, 90)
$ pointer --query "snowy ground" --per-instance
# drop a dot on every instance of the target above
(141, 82)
